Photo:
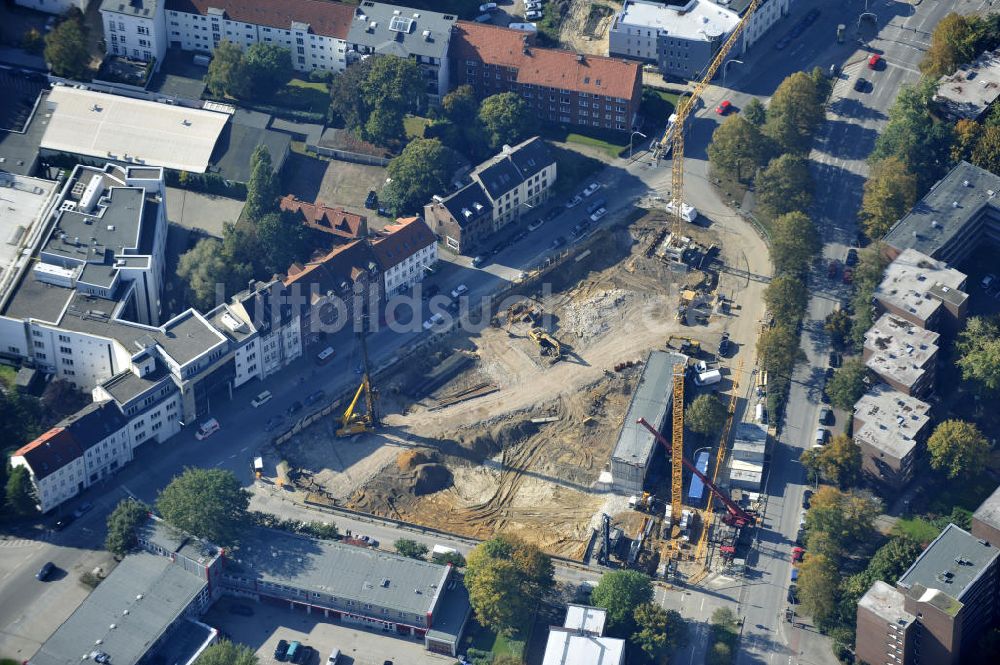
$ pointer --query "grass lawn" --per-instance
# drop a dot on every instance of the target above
(7, 376)
(302, 95)
(917, 528)
(483, 639)
(572, 169)
(415, 125)
(611, 143)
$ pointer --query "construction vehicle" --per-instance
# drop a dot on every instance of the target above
(548, 345)
(353, 421)
(735, 516)
(686, 345)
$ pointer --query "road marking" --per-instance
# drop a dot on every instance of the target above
(219, 463)
(898, 66)
(244, 449)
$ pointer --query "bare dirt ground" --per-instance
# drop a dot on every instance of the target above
(585, 27)
(524, 459)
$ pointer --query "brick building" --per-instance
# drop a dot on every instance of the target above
(559, 86)
(902, 354)
(924, 291)
(890, 429)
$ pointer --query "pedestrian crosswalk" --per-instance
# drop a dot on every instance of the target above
(22, 542)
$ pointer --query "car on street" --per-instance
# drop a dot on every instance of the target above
(371, 201)
(851, 258)
(82, 509)
(781, 43)
(537, 6)
(552, 214)
(315, 396)
(207, 429)
(521, 235)
(724, 344)
(532, 14)
(848, 276)
(826, 416)
(261, 399)
(63, 522)
(834, 71)
(793, 597)
(535, 225)
(295, 407)
(822, 435)
(241, 609)
(875, 62)
(44, 572)
(861, 84)
(488, 7)
(575, 201)
(797, 553)
(590, 189)
(810, 16)
(273, 422)
(600, 212)
(459, 290)
(281, 650)
(558, 242)
(806, 497)
(435, 320)
(724, 107)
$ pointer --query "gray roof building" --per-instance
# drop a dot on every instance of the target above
(902, 354)
(505, 171)
(919, 288)
(394, 30)
(651, 400)
(127, 614)
(468, 203)
(950, 566)
(971, 90)
(986, 519)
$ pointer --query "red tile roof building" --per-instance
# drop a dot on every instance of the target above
(559, 86)
(337, 222)
(404, 251)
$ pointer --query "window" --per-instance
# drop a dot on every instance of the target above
(67, 361)
(63, 338)
(40, 356)
(12, 349)
(69, 372)
(39, 345)
(36, 333)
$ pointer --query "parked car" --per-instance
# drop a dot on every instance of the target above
(806, 497)
(241, 610)
(484, 18)
(558, 242)
(552, 214)
(575, 201)
(793, 597)
(459, 290)
(826, 416)
(435, 320)
(488, 7)
(797, 553)
(45, 571)
(308, 655)
(861, 84)
(835, 359)
(724, 344)
(63, 522)
(207, 429)
(273, 423)
(477, 261)
(724, 107)
(533, 4)
(536, 224)
(281, 651)
(532, 14)
(834, 71)
(591, 188)
(875, 62)
(82, 509)
(822, 435)
(261, 399)
(295, 407)
(314, 397)
(371, 201)
(598, 214)
(851, 258)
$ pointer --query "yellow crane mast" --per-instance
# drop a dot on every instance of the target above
(687, 104)
(677, 444)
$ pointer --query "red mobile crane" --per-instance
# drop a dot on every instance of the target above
(736, 516)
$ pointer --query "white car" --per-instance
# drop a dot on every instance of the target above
(688, 213)
(591, 188)
(600, 212)
(537, 6)
(261, 399)
(459, 290)
(207, 429)
(575, 201)
(535, 224)
(435, 320)
(533, 15)
(488, 7)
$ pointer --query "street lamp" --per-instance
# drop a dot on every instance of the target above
(630, 138)
(725, 69)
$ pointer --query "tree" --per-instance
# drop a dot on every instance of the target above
(346, 94)
(785, 186)
(778, 348)
(847, 385)
(958, 449)
(786, 298)
(61, 399)
(460, 105)
(979, 346)
(507, 578)
(454, 558)
(794, 242)
(888, 565)
(967, 134)
(818, 587)
(410, 548)
(838, 326)
(20, 492)
(506, 118)
(952, 44)
(738, 148)
(794, 113)
(986, 153)
(66, 49)
(719, 654)
(206, 268)
(915, 136)
(705, 415)
(225, 652)
(268, 67)
(754, 112)
(838, 462)
(423, 169)
(282, 239)
(620, 592)
(373, 96)
(208, 503)
(658, 631)
(123, 521)
(227, 73)
(846, 517)
(262, 188)
(890, 192)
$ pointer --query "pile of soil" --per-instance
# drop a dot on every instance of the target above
(430, 478)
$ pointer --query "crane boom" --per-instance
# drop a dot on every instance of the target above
(677, 470)
(740, 516)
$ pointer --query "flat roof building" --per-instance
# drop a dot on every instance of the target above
(115, 128)
(891, 428)
(27, 206)
(957, 215)
(580, 640)
(651, 400)
(969, 92)
(986, 519)
(884, 627)
(924, 291)
(902, 354)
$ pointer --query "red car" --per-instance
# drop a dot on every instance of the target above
(723, 108)
(833, 268)
(797, 553)
(875, 62)
(848, 276)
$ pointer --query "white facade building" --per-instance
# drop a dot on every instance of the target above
(517, 180)
(404, 251)
(768, 13)
(54, 6)
(134, 29)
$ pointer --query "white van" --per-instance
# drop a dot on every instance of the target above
(207, 429)
(688, 212)
(708, 378)
(334, 657)
(760, 413)
(261, 399)
(325, 355)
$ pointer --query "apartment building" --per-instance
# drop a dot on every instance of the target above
(503, 189)
(939, 607)
(559, 86)
(923, 291)
(404, 251)
(58, 7)
(134, 29)
(334, 224)
(902, 354)
(419, 35)
(970, 91)
(276, 324)
(986, 519)
(890, 428)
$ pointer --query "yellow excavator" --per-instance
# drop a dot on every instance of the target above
(548, 345)
(353, 421)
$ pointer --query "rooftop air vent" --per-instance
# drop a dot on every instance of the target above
(966, 183)
(954, 204)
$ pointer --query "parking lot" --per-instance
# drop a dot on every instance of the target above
(358, 646)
